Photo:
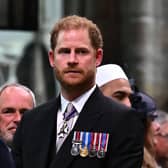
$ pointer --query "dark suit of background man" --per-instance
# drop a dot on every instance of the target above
(76, 51)
(6, 160)
(15, 99)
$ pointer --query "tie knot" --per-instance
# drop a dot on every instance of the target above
(70, 112)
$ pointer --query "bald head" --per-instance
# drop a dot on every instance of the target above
(18, 86)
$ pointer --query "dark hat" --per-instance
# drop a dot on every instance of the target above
(142, 102)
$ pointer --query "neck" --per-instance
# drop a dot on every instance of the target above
(73, 93)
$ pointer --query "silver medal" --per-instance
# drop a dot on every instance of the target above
(75, 149)
(101, 153)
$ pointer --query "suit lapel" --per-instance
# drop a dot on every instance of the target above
(86, 121)
(46, 140)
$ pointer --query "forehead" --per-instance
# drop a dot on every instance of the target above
(13, 89)
(118, 85)
(15, 96)
(72, 36)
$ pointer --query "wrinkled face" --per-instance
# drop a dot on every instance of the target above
(75, 60)
(119, 90)
(13, 102)
(161, 142)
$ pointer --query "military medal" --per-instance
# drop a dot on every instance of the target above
(85, 143)
(103, 141)
(89, 144)
(76, 143)
(63, 131)
(83, 151)
(92, 150)
(101, 153)
(69, 113)
(75, 149)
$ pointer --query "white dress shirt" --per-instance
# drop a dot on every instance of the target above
(78, 103)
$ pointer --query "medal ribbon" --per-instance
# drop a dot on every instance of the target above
(86, 139)
(78, 136)
(97, 141)
(103, 141)
(107, 138)
(74, 136)
(100, 141)
(83, 139)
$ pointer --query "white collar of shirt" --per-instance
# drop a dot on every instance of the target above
(79, 102)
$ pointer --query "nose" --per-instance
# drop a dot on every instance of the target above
(155, 127)
(127, 102)
(17, 117)
(72, 57)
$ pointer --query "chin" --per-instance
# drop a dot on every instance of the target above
(72, 83)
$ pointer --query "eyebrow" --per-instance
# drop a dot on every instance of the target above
(122, 92)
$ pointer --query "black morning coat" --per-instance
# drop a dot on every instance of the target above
(34, 141)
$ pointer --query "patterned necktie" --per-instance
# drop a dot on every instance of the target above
(69, 115)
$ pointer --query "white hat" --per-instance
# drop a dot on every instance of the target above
(109, 72)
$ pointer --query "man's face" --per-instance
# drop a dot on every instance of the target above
(119, 90)
(161, 142)
(75, 60)
(13, 102)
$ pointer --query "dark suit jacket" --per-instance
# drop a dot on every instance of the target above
(34, 141)
(6, 160)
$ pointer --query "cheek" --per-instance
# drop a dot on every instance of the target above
(161, 145)
(2, 125)
(88, 61)
(5, 121)
(166, 145)
(60, 63)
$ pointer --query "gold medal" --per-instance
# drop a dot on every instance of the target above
(83, 151)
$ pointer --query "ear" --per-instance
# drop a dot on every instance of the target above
(99, 56)
(51, 58)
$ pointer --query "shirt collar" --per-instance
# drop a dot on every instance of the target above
(79, 102)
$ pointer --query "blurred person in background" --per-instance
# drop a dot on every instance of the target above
(161, 140)
(114, 83)
(142, 102)
(15, 99)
